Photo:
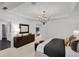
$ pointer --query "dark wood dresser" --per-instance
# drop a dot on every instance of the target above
(23, 40)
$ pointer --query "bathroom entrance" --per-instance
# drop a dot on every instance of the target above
(5, 41)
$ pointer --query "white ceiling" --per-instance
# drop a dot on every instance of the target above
(34, 9)
(10, 5)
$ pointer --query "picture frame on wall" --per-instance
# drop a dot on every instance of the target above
(24, 28)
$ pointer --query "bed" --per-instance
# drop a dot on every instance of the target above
(51, 52)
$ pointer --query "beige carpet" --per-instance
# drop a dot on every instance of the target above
(24, 51)
(39, 54)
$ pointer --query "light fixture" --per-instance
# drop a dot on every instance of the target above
(43, 18)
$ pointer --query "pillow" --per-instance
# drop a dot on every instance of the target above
(66, 41)
(69, 39)
(73, 45)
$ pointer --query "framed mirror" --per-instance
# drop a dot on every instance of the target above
(24, 28)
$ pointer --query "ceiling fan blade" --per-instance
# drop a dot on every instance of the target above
(59, 18)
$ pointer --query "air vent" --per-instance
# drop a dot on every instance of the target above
(4, 8)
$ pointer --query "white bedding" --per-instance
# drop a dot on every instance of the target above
(40, 47)
(68, 50)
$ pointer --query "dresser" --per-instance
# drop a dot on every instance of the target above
(23, 40)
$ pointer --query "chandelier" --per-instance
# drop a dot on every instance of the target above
(43, 18)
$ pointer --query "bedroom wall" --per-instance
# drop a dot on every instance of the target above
(60, 28)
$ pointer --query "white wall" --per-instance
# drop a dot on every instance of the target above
(15, 20)
(60, 28)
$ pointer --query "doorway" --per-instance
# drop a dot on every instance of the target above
(4, 36)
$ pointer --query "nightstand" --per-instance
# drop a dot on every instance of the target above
(37, 43)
